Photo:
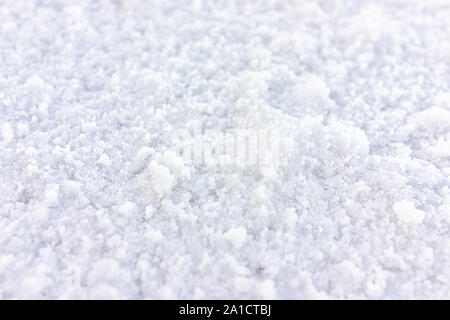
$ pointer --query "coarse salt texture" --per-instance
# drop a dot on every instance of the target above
(348, 198)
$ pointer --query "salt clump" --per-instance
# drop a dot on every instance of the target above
(407, 212)
(319, 147)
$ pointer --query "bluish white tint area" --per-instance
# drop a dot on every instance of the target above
(96, 200)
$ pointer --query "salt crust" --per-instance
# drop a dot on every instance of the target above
(95, 201)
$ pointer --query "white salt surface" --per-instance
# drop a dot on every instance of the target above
(97, 202)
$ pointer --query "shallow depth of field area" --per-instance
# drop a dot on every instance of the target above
(348, 196)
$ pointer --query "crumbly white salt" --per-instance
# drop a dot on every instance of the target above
(407, 212)
(7, 133)
(236, 236)
(128, 208)
(104, 160)
(349, 275)
(154, 236)
(162, 179)
(51, 194)
(98, 201)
